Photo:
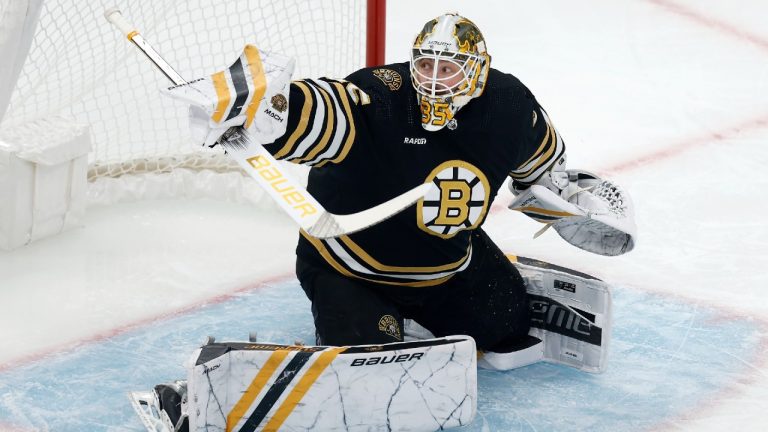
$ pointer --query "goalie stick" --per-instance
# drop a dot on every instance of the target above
(255, 160)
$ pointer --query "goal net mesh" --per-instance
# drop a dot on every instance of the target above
(81, 70)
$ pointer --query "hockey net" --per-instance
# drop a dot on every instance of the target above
(80, 70)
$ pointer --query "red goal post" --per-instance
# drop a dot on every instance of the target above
(376, 28)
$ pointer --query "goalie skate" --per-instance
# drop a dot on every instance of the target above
(155, 408)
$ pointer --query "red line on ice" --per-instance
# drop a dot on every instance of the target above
(8, 427)
(107, 334)
(760, 360)
(672, 150)
(720, 26)
(730, 391)
(686, 144)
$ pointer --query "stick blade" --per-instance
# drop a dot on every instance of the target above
(330, 225)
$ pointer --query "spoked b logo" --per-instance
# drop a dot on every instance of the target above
(458, 202)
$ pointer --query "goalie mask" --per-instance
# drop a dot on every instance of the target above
(449, 67)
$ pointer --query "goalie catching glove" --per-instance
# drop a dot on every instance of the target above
(252, 92)
(586, 211)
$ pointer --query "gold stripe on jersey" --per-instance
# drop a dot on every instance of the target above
(329, 129)
(541, 148)
(222, 93)
(331, 260)
(343, 124)
(548, 144)
(376, 265)
(549, 151)
(326, 129)
(337, 137)
(301, 127)
(259, 82)
(351, 133)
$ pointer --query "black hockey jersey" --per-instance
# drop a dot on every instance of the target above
(364, 140)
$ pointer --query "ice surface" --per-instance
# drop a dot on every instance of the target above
(667, 357)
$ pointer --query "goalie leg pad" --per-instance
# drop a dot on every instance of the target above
(571, 316)
(570, 313)
(418, 386)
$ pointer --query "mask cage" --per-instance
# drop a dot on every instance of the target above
(431, 85)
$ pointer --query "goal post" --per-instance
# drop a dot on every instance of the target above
(376, 26)
(67, 72)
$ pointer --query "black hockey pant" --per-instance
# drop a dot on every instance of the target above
(486, 301)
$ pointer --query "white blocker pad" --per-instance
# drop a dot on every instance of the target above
(424, 385)
(570, 313)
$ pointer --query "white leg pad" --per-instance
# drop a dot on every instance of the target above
(416, 386)
(570, 313)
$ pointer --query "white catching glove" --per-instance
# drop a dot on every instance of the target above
(252, 92)
(586, 211)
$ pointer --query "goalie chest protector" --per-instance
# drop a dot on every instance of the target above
(467, 160)
(417, 386)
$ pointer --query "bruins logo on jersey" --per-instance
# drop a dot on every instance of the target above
(279, 102)
(460, 200)
(388, 324)
(392, 79)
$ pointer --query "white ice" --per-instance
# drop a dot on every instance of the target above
(667, 97)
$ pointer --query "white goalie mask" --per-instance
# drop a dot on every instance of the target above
(449, 67)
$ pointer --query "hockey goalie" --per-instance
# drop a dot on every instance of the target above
(405, 309)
